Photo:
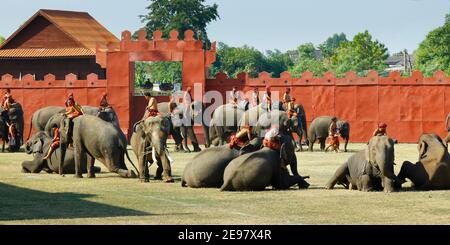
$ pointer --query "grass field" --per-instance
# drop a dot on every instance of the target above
(108, 199)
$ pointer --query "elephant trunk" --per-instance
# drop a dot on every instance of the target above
(385, 161)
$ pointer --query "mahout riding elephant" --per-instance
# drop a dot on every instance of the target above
(94, 139)
(371, 169)
(13, 116)
(149, 143)
(301, 130)
(432, 171)
(38, 146)
(224, 123)
(266, 167)
(319, 131)
(175, 123)
(206, 169)
(108, 115)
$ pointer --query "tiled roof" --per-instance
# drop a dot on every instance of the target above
(41, 53)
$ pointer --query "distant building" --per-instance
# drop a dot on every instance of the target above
(56, 42)
(402, 62)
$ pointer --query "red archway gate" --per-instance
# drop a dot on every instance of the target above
(119, 61)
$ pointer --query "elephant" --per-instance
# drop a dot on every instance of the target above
(301, 130)
(206, 169)
(279, 119)
(175, 122)
(108, 115)
(319, 131)
(224, 123)
(13, 116)
(432, 171)
(42, 116)
(94, 139)
(39, 145)
(149, 143)
(371, 169)
(257, 170)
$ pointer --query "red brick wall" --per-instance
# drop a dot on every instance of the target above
(409, 105)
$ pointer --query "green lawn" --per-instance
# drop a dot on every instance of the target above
(108, 199)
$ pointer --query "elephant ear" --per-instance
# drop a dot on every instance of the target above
(368, 152)
(38, 146)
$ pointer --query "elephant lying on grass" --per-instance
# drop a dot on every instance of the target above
(432, 171)
(206, 169)
(266, 167)
(38, 145)
(371, 169)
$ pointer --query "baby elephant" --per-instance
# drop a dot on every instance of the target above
(432, 172)
(255, 171)
(371, 169)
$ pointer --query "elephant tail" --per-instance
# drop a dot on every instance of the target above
(129, 159)
(227, 186)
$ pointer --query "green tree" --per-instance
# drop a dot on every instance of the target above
(181, 15)
(329, 47)
(2, 39)
(277, 62)
(307, 60)
(360, 55)
(234, 60)
(434, 52)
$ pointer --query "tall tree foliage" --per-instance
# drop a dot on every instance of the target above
(307, 60)
(181, 15)
(234, 60)
(329, 47)
(167, 15)
(2, 40)
(434, 52)
(360, 55)
(277, 62)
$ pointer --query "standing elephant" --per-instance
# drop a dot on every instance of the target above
(280, 119)
(319, 131)
(301, 130)
(94, 139)
(175, 123)
(432, 172)
(39, 145)
(206, 169)
(149, 143)
(257, 170)
(224, 123)
(371, 169)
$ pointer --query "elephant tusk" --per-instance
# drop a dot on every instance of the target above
(169, 157)
(154, 155)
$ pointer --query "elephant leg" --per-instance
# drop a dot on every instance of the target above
(322, 143)
(221, 135)
(339, 176)
(31, 167)
(193, 138)
(364, 183)
(206, 136)
(346, 144)
(159, 171)
(79, 156)
(286, 181)
(185, 139)
(300, 136)
(144, 174)
(311, 144)
(90, 166)
(415, 172)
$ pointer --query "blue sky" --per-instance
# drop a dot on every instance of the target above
(268, 24)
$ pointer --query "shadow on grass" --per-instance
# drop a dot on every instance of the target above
(22, 204)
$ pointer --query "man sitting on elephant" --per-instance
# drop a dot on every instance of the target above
(288, 101)
(381, 130)
(55, 142)
(152, 108)
(267, 98)
(73, 110)
(272, 139)
(104, 102)
(242, 138)
(235, 97)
